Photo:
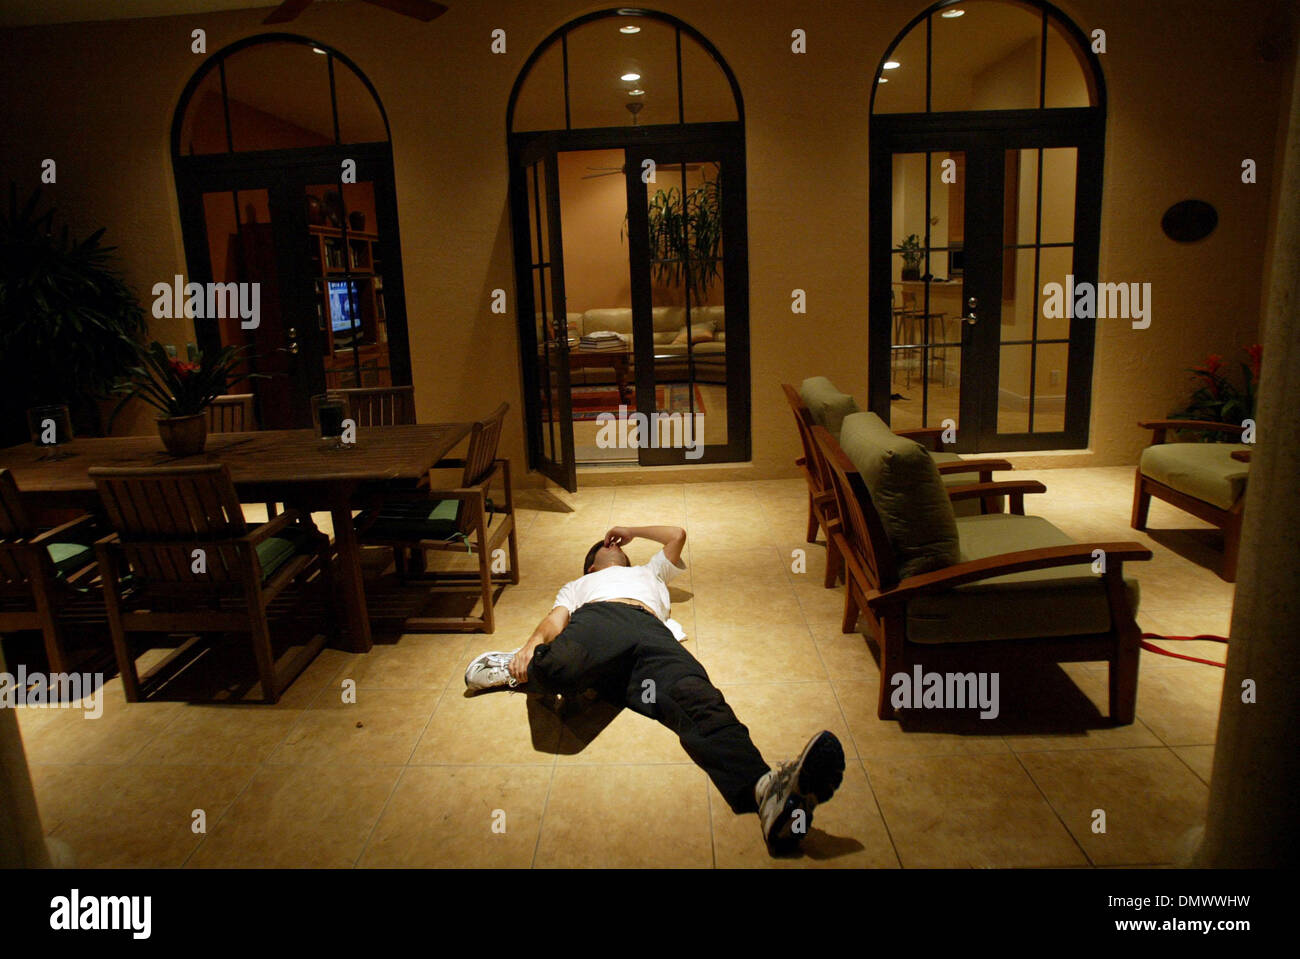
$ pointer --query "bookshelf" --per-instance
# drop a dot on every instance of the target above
(337, 260)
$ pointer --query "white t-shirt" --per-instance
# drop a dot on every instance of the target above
(648, 584)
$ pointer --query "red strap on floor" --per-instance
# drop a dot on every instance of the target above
(1191, 659)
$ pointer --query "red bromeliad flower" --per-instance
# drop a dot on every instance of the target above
(183, 368)
(1255, 352)
(1213, 363)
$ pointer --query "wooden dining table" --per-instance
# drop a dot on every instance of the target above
(294, 467)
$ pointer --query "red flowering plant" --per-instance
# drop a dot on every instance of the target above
(1217, 398)
(176, 387)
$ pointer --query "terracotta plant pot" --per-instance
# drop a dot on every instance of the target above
(184, 435)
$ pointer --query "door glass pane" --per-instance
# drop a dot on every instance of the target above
(986, 59)
(902, 89)
(1056, 264)
(241, 250)
(706, 93)
(278, 94)
(688, 308)
(1013, 389)
(203, 128)
(360, 120)
(598, 298)
(540, 104)
(601, 55)
(1059, 169)
(1067, 76)
(346, 246)
(1049, 387)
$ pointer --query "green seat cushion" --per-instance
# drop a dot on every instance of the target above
(907, 493)
(274, 551)
(1205, 471)
(964, 507)
(1062, 601)
(827, 405)
(69, 557)
(414, 521)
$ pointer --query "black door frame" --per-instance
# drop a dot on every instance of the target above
(726, 140)
(984, 134)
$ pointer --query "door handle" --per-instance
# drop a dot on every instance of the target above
(970, 318)
(293, 339)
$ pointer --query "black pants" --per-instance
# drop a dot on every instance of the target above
(628, 656)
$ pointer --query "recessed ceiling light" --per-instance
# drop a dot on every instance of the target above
(638, 92)
(629, 29)
(892, 64)
(883, 80)
(318, 50)
(631, 77)
(952, 14)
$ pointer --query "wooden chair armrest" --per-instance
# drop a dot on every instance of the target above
(1161, 427)
(61, 532)
(973, 466)
(973, 570)
(449, 464)
(927, 436)
(1007, 487)
(270, 527)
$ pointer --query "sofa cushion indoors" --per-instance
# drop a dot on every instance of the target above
(1062, 601)
(827, 405)
(1205, 471)
(907, 493)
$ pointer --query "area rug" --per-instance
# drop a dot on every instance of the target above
(590, 401)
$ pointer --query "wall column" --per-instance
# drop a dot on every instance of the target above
(1256, 781)
(22, 840)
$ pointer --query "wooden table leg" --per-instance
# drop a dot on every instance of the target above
(620, 374)
(349, 581)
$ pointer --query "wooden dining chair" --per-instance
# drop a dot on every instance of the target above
(43, 576)
(183, 559)
(381, 405)
(232, 413)
(460, 519)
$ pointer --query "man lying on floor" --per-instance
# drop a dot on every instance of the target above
(610, 631)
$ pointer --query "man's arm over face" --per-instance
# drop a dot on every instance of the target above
(551, 626)
(673, 538)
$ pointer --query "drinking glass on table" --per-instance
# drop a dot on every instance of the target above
(51, 428)
(328, 411)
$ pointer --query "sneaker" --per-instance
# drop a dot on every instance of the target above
(490, 671)
(787, 794)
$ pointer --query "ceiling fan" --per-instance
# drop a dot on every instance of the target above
(611, 170)
(425, 10)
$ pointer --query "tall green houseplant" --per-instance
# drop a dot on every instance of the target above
(686, 236)
(68, 322)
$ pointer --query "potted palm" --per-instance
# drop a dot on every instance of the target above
(912, 256)
(182, 391)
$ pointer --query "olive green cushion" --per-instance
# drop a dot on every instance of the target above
(907, 493)
(69, 557)
(414, 521)
(963, 507)
(274, 551)
(827, 405)
(1205, 471)
(1062, 601)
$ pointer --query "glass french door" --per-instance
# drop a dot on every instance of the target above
(975, 232)
(686, 240)
(543, 319)
(325, 256)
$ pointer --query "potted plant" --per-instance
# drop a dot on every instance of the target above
(67, 320)
(912, 256)
(182, 391)
(686, 236)
(1217, 399)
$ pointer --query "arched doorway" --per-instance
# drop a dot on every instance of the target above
(284, 176)
(987, 138)
(627, 166)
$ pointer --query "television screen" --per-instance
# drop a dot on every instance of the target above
(345, 310)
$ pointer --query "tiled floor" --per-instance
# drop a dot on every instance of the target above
(416, 773)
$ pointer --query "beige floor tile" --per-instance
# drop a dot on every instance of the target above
(947, 735)
(461, 816)
(846, 656)
(782, 717)
(70, 736)
(820, 605)
(414, 661)
(756, 608)
(298, 816)
(732, 569)
(846, 833)
(134, 816)
(773, 653)
(1050, 716)
(600, 732)
(489, 729)
(962, 811)
(379, 727)
(1180, 703)
(225, 735)
(1200, 759)
(626, 816)
(1149, 798)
